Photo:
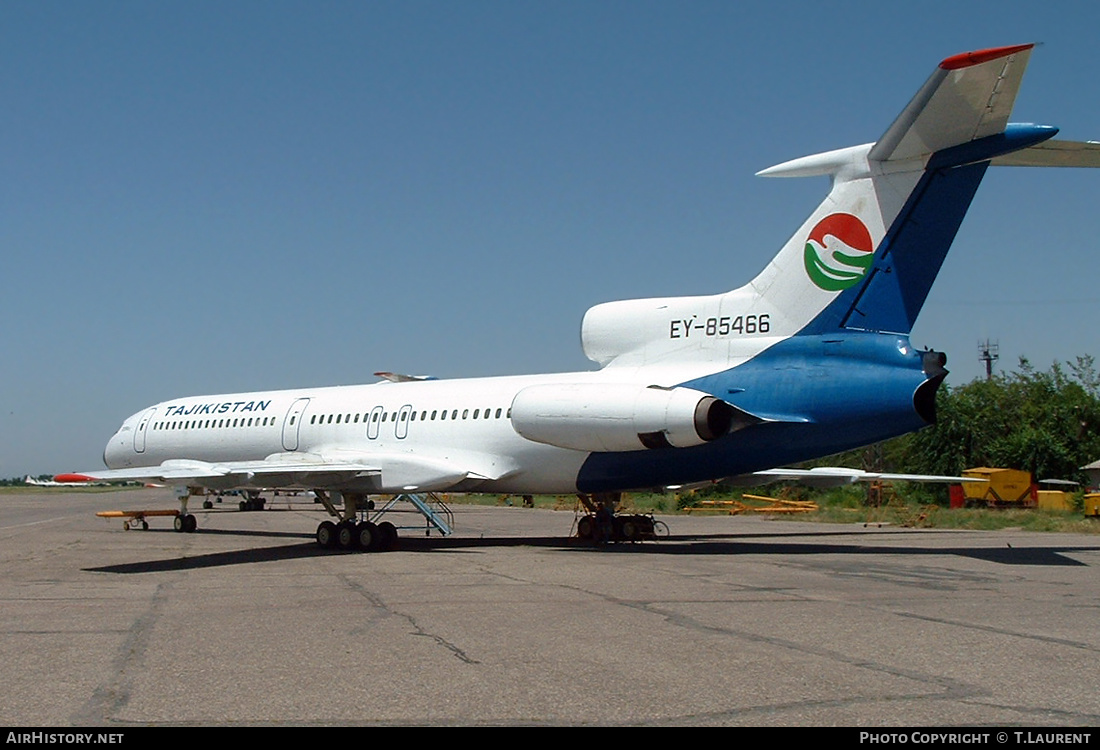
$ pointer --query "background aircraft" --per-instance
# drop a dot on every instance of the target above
(54, 483)
(810, 358)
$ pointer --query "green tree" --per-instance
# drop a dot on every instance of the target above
(1047, 423)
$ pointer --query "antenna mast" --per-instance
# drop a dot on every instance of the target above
(988, 353)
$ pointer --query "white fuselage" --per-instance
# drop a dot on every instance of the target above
(461, 422)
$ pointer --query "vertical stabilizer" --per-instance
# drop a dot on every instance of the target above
(867, 257)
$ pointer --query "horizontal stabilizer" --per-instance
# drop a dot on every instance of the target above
(1054, 153)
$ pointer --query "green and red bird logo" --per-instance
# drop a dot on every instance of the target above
(838, 252)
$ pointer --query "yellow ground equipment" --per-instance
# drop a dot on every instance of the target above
(1001, 488)
(1056, 494)
(1092, 505)
(135, 518)
(755, 504)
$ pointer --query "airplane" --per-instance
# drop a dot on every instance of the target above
(810, 358)
(29, 480)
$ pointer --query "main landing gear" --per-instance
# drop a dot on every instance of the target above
(350, 534)
(357, 535)
(602, 523)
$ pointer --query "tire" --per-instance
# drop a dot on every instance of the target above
(347, 536)
(368, 536)
(326, 534)
(629, 530)
(388, 536)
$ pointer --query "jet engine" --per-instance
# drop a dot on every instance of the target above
(620, 417)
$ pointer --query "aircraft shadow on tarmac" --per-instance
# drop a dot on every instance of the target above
(695, 544)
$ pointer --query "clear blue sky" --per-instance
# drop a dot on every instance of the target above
(207, 197)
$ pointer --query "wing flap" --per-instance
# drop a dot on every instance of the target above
(373, 473)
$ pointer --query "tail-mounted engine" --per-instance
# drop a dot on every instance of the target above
(617, 417)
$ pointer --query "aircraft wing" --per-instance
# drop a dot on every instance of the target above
(363, 472)
(834, 476)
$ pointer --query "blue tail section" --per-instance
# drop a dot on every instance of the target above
(843, 294)
(906, 262)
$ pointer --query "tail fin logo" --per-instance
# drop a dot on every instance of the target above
(838, 252)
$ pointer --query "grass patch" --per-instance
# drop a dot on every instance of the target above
(28, 489)
(908, 506)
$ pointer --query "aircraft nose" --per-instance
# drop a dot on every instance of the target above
(114, 453)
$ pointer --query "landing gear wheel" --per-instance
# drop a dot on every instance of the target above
(388, 536)
(346, 536)
(368, 536)
(185, 523)
(326, 534)
(631, 530)
(586, 527)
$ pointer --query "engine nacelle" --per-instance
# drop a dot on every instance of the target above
(619, 417)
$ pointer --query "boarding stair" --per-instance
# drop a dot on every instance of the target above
(428, 504)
